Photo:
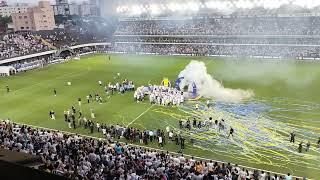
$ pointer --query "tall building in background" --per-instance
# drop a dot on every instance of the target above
(93, 2)
(74, 9)
(58, 2)
(6, 10)
(36, 18)
(61, 7)
(86, 8)
(94, 7)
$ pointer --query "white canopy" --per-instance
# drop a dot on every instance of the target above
(7, 70)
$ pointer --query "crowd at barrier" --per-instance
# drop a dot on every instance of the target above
(78, 157)
(13, 45)
(224, 26)
(25, 66)
(38, 63)
(220, 50)
(45, 60)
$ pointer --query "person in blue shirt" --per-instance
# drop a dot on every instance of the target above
(118, 149)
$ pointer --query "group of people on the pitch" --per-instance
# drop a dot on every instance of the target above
(96, 98)
(301, 144)
(122, 87)
(70, 118)
(160, 95)
(219, 125)
(70, 115)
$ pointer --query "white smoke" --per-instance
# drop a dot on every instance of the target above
(207, 86)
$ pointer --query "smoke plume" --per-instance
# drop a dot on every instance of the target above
(207, 86)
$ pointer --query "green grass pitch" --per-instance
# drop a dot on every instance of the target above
(288, 92)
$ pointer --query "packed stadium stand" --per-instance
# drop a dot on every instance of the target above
(13, 45)
(231, 36)
(77, 157)
(287, 37)
(92, 30)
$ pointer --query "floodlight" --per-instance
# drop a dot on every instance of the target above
(306, 3)
(271, 4)
(154, 9)
(173, 6)
(193, 6)
(135, 10)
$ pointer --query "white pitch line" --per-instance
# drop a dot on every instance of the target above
(140, 115)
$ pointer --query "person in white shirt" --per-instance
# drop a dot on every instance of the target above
(210, 164)
(168, 129)
(288, 176)
(98, 127)
(170, 135)
(262, 175)
(151, 135)
(103, 131)
(92, 114)
(160, 141)
(182, 159)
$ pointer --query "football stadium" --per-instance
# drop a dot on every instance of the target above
(194, 89)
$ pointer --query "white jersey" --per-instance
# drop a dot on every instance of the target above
(161, 95)
(170, 134)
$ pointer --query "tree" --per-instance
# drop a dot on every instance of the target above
(4, 21)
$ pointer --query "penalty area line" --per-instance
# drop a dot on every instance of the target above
(140, 115)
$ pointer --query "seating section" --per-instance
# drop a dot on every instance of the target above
(286, 37)
(77, 157)
(13, 45)
(223, 26)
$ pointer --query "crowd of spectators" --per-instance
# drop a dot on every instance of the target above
(260, 36)
(25, 43)
(13, 45)
(220, 40)
(77, 157)
(224, 26)
(288, 37)
(45, 60)
(220, 50)
(61, 38)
